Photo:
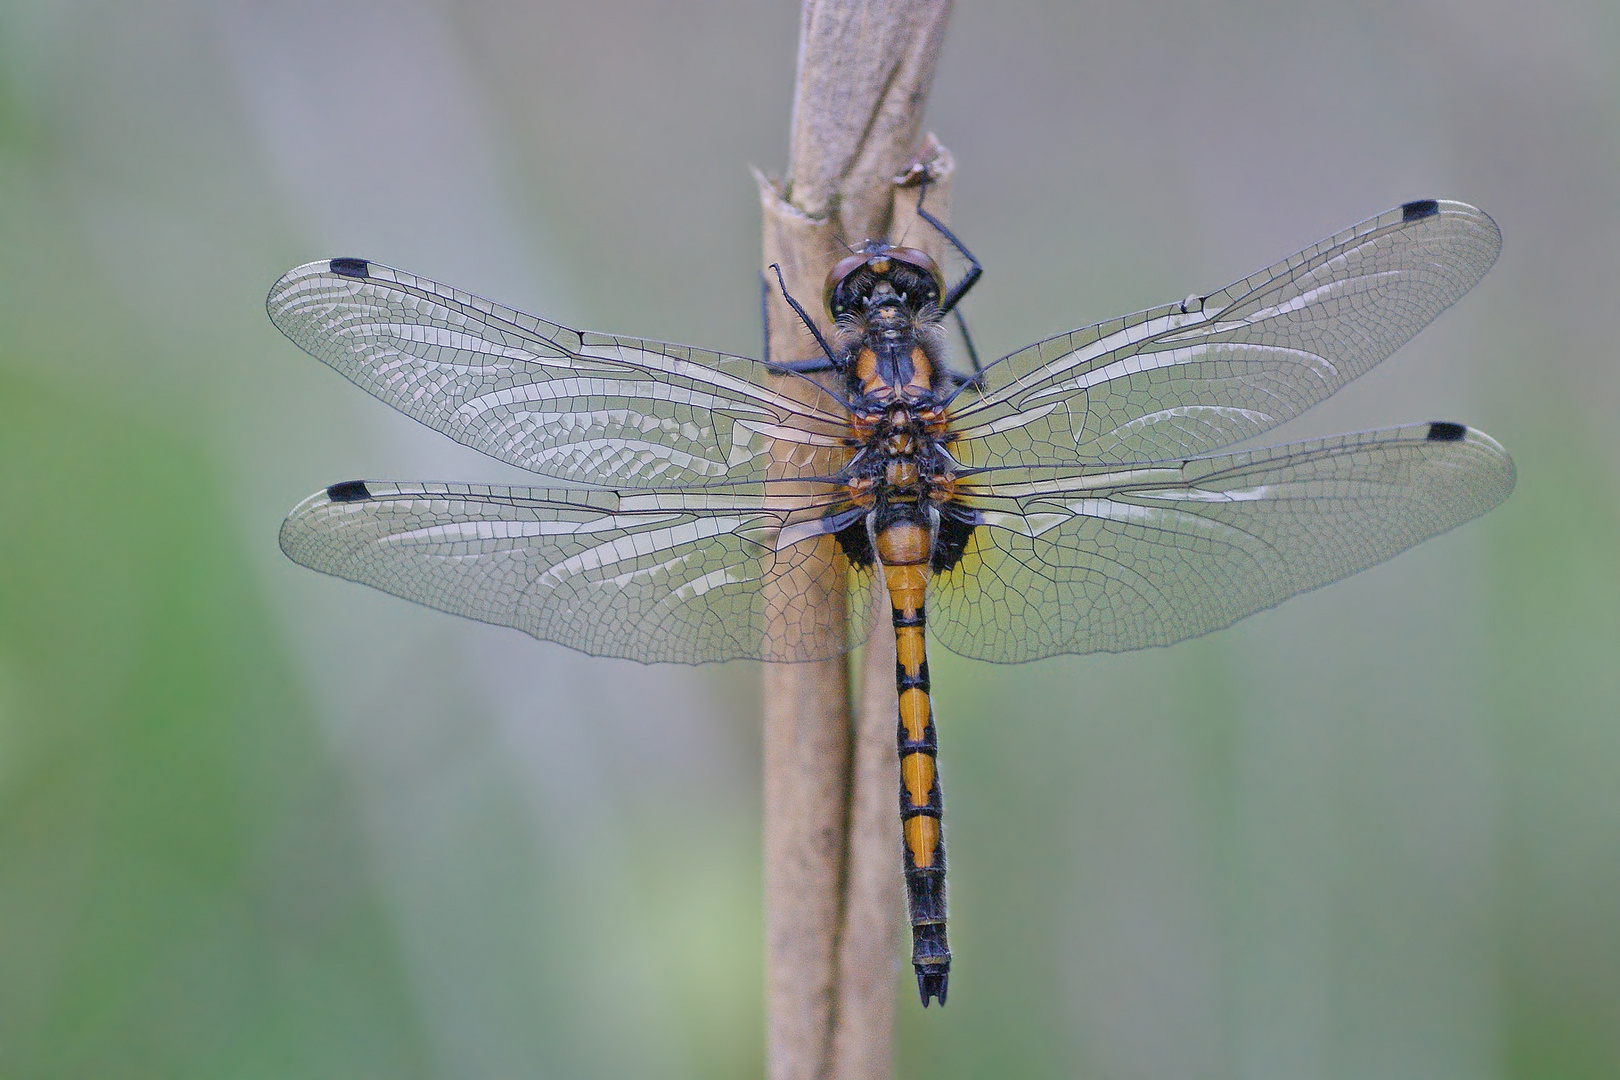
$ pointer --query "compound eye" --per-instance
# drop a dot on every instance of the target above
(836, 296)
(922, 264)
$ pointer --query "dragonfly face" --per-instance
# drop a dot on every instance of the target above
(879, 269)
(1075, 496)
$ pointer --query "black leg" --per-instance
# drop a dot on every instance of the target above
(954, 294)
(806, 367)
(828, 361)
(819, 363)
(765, 315)
(976, 380)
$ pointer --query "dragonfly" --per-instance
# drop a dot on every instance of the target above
(1078, 495)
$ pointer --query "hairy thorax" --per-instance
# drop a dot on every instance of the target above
(901, 471)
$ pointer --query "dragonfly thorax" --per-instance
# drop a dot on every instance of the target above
(900, 457)
(903, 476)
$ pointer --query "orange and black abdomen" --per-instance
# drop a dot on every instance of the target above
(903, 550)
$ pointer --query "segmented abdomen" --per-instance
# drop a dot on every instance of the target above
(903, 551)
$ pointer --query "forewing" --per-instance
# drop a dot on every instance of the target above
(684, 576)
(1123, 557)
(1193, 377)
(581, 407)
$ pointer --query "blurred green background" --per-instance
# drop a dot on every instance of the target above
(259, 823)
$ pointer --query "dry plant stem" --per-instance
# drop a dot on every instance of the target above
(832, 903)
(806, 750)
(865, 69)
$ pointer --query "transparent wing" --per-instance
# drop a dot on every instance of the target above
(684, 576)
(1122, 557)
(1193, 377)
(582, 407)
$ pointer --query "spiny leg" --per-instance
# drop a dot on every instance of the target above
(954, 294)
(828, 361)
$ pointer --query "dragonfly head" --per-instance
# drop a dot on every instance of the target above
(878, 274)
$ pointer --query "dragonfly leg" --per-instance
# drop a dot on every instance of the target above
(828, 361)
(976, 380)
(765, 316)
(954, 294)
(803, 367)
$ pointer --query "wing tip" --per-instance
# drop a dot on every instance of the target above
(1450, 431)
(1480, 221)
(284, 294)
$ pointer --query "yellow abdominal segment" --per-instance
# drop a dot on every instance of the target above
(917, 772)
(922, 838)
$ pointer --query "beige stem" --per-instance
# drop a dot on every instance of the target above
(832, 877)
